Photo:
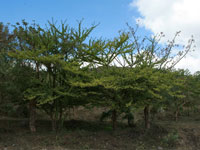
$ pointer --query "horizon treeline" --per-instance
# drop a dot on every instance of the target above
(59, 67)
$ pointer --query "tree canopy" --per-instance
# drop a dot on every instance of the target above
(60, 67)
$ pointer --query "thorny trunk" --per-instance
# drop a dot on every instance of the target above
(53, 118)
(54, 112)
(56, 120)
(188, 111)
(130, 122)
(176, 114)
(54, 124)
(32, 108)
(114, 119)
(147, 116)
(60, 115)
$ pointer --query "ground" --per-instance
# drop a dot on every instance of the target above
(92, 134)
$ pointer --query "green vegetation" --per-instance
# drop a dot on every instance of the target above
(53, 70)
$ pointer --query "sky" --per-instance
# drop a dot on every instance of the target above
(155, 16)
(111, 14)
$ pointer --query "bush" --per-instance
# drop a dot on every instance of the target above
(170, 139)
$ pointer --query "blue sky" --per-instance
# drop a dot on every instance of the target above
(168, 16)
(111, 14)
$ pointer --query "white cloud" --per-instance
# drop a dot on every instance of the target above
(170, 16)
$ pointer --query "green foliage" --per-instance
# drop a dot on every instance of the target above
(61, 67)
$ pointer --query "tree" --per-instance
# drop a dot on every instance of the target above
(150, 59)
(105, 75)
(54, 56)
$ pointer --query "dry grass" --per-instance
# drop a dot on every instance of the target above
(84, 131)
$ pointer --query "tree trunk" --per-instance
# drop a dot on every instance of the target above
(60, 116)
(188, 111)
(54, 125)
(114, 119)
(131, 122)
(55, 105)
(176, 115)
(32, 106)
(53, 118)
(147, 117)
(32, 118)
